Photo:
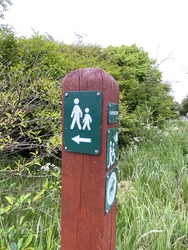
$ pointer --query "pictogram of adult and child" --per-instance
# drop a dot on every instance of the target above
(76, 116)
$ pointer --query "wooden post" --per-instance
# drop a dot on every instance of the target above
(89, 160)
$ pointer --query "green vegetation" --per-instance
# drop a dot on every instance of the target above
(28, 220)
(4, 4)
(152, 203)
(31, 72)
(152, 197)
(184, 106)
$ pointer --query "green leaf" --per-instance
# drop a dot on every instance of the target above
(21, 220)
(37, 197)
(24, 197)
(13, 246)
(20, 243)
(4, 209)
(28, 240)
(10, 199)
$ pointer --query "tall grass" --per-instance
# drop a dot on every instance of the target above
(153, 197)
(152, 205)
(30, 209)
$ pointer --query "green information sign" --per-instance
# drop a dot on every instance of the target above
(113, 112)
(111, 189)
(112, 147)
(82, 121)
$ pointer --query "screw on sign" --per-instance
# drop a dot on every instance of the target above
(89, 160)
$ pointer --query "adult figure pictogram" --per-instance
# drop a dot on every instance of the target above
(76, 114)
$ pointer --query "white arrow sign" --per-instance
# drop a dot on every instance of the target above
(78, 139)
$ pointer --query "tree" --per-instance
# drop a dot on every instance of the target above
(184, 106)
(144, 98)
(4, 4)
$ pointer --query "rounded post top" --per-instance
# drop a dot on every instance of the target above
(89, 79)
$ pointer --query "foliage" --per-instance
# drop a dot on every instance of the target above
(152, 195)
(153, 168)
(141, 90)
(152, 200)
(28, 221)
(4, 6)
(184, 106)
(30, 97)
(31, 72)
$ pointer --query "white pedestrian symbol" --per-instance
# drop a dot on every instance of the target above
(76, 114)
(87, 120)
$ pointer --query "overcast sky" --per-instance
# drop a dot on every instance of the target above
(158, 26)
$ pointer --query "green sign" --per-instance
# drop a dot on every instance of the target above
(82, 121)
(112, 147)
(111, 189)
(113, 112)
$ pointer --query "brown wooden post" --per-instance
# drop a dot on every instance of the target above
(89, 161)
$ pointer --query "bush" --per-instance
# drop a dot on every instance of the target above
(32, 70)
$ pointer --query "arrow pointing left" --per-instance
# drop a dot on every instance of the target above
(78, 139)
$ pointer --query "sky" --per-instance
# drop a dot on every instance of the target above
(157, 26)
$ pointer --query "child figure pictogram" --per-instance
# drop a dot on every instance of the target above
(87, 120)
